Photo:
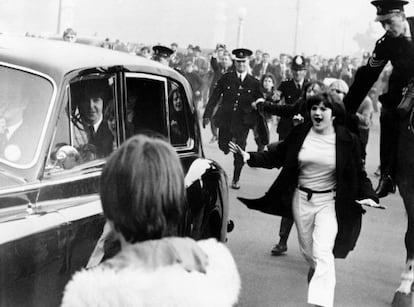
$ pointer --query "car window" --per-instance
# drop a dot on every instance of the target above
(179, 116)
(87, 128)
(25, 98)
(145, 107)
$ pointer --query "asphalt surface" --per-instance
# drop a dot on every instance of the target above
(367, 277)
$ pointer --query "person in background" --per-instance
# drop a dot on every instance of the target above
(145, 52)
(322, 185)
(143, 198)
(258, 54)
(196, 83)
(265, 66)
(201, 67)
(162, 54)
(364, 112)
(290, 91)
(176, 58)
(282, 70)
(69, 35)
(225, 65)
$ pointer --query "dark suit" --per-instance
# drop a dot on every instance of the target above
(351, 183)
(400, 51)
(258, 70)
(236, 113)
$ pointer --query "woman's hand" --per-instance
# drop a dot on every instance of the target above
(370, 203)
(255, 103)
(234, 148)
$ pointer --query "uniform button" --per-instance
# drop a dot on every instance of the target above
(238, 94)
(237, 101)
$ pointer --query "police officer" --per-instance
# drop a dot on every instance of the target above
(395, 45)
(238, 90)
(162, 54)
(290, 91)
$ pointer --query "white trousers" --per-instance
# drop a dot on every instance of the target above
(317, 228)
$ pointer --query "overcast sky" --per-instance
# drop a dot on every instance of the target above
(325, 26)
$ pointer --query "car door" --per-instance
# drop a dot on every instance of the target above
(70, 184)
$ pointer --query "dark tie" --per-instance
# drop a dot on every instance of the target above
(240, 78)
(91, 132)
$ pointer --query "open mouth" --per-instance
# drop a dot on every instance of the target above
(317, 119)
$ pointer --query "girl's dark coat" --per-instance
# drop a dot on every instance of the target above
(351, 183)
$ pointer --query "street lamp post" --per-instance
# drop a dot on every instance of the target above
(295, 42)
(242, 12)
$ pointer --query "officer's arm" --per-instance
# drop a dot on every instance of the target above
(366, 76)
(214, 98)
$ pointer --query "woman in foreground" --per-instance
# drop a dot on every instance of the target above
(143, 198)
(322, 185)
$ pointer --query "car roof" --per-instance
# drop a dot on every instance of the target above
(57, 58)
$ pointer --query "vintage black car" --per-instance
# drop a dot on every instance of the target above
(50, 213)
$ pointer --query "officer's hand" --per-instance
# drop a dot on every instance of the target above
(370, 203)
(234, 148)
(206, 121)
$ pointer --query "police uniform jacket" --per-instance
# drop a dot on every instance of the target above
(398, 50)
(236, 111)
(290, 92)
(351, 182)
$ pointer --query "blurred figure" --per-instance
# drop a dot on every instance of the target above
(257, 58)
(143, 197)
(263, 67)
(225, 65)
(189, 56)
(69, 35)
(282, 70)
(176, 58)
(162, 54)
(145, 52)
(196, 83)
(201, 67)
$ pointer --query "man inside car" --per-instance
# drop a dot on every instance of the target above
(92, 128)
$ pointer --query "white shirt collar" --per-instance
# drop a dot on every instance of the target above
(242, 75)
(96, 126)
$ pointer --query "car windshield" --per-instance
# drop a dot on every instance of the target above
(24, 102)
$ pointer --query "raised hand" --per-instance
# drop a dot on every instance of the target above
(236, 149)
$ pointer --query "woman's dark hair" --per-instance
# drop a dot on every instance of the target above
(268, 75)
(142, 189)
(311, 84)
(330, 101)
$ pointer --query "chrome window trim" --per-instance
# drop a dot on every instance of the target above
(52, 102)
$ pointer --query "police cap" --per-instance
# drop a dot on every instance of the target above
(241, 54)
(388, 8)
(162, 51)
(298, 63)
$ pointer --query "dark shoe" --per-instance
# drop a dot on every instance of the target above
(385, 186)
(279, 249)
(235, 185)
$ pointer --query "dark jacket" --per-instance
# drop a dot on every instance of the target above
(351, 183)
(398, 50)
(291, 93)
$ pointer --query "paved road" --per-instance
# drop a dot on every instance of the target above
(368, 277)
